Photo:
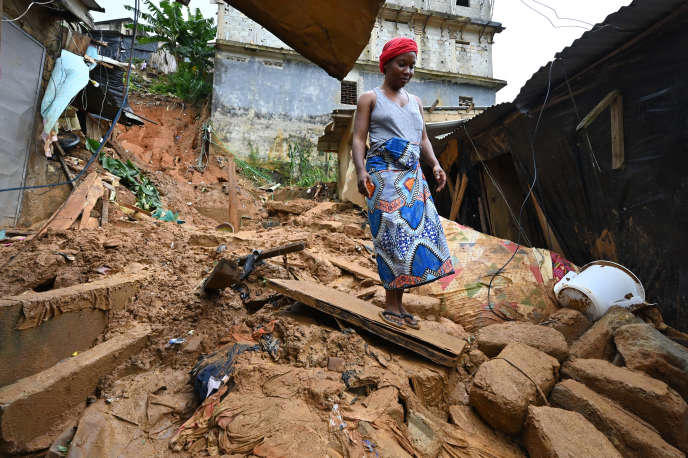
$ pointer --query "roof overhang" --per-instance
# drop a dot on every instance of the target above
(80, 9)
(330, 34)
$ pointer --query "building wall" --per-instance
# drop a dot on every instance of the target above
(39, 204)
(264, 92)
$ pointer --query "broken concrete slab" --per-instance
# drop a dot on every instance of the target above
(493, 338)
(34, 409)
(651, 399)
(501, 392)
(628, 433)
(552, 432)
(41, 328)
(465, 418)
(597, 341)
(423, 434)
(571, 323)
(646, 349)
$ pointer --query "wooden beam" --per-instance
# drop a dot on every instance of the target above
(105, 208)
(354, 269)
(458, 198)
(70, 210)
(550, 238)
(344, 155)
(617, 128)
(233, 201)
(95, 193)
(438, 347)
(599, 108)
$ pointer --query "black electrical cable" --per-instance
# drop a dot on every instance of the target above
(108, 133)
(530, 190)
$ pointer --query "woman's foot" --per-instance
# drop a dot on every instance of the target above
(393, 318)
(409, 320)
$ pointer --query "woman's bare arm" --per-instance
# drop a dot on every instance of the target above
(361, 125)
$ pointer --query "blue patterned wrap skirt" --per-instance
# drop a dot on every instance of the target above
(410, 246)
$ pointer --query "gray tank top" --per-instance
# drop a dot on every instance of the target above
(389, 120)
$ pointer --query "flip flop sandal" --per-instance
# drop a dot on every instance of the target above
(410, 321)
(394, 319)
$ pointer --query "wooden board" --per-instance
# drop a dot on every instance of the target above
(69, 211)
(441, 348)
(355, 269)
(95, 193)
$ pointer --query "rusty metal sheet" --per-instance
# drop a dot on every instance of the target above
(332, 33)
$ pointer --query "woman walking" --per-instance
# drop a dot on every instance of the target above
(410, 245)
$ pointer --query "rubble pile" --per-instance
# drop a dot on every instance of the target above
(247, 371)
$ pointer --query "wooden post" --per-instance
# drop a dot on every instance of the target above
(550, 238)
(233, 208)
(344, 156)
(481, 211)
(617, 133)
(105, 208)
(458, 198)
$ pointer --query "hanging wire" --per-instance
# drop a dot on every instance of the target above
(530, 190)
(27, 10)
(108, 133)
(550, 20)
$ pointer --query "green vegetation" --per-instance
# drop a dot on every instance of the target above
(304, 167)
(187, 40)
(147, 196)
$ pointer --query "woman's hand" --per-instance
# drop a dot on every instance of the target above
(440, 177)
(365, 184)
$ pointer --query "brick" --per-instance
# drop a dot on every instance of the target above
(501, 393)
(493, 338)
(597, 341)
(651, 399)
(33, 410)
(558, 433)
(629, 435)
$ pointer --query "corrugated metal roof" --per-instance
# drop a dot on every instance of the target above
(617, 29)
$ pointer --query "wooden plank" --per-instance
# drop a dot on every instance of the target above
(450, 154)
(617, 133)
(105, 209)
(95, 193)
(65, 169)
(440, 348)
(599, 108)
(233, 203)
(71, 209)
(344, 155)
(458, 198)
(353, 268)
(550, 238)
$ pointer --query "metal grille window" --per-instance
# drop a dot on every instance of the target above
(463, 3)
(349, 92)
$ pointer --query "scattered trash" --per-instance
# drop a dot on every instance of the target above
(225, 227)
(175, 341)
(216, 367)
(103, 270)
(599, 286)
(220, 248)
(68, 257)
(268, 223)
(270, 345)
(2, 234)
(337, 423)
(75, 353)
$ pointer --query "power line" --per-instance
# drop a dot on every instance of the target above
(560, 17)
(27, 10)
(550, 20)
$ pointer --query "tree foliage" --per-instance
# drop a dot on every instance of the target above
(185, 38)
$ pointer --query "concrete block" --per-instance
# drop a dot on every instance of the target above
(34, 409)
(40, 329)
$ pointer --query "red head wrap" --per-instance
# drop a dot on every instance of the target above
(395, 47)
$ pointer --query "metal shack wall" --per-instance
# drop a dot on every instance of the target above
(636, 215)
